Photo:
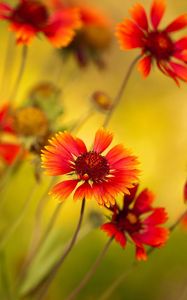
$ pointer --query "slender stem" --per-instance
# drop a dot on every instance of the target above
(6, 288)
(120, 92)
(108, 292)
(42, 287)
(12, 228)
(37, 240)
(81, 121)
(7, 67)
(20, 73)
(91, 272)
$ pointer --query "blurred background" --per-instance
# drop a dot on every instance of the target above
(151, 120)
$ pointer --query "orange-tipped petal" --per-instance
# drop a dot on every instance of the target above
(144, 66)
(61, 27)
(157, 12)
(83, 191)
(141, 253)
(139, 15)
(129, 35)
(102, 140)
(63, 189)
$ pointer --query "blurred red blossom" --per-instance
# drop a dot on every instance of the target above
(8, 151)
(31, 17)
(101, 176)
(138, 220)
(6, 120)
(185, 192)
(94, 36)
(156, 44)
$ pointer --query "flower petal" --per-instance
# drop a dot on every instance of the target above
(9, 152)
(179, 70)
(5, 11)
(181, 44)
(83, 191)
(157, 12)
(144, 201)
(153, 236)
(144, 66)
(178, 24)
(111, 230)
(141, 253)
(61, 27)
(102, 140)
(63, 189)
(129, 35)
(158, 216)
(139, 15)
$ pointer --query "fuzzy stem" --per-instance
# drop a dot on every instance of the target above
(108, 292)
(91, 272)
(42, 287)
(121, 91)
(20, 73)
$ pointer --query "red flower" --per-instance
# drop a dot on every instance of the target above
(94, 36)
(130, 221)
(9, 152)
(6, 121)
(100, 176)
(156, 44)
(31, 17)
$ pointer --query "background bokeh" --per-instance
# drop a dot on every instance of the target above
(152, 121)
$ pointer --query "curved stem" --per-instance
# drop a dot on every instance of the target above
(135, 264)
(91, 272)
(42, 287)
(121, 91)
(20, 73)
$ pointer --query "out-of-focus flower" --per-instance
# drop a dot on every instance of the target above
(100, 176)
(93, 38)
(30, 121)
(101, 101)
(6, 120)
(156, 44)
(9, 152)
(31, 17)
(45, 96)
(138, 220)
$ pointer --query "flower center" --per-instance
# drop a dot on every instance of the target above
(92, 165)
(159, 44)
(132, 218)
(31, 12)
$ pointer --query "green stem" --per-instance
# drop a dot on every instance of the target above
(121, 91)
(20, 73)
(42, 287)
(91, 272)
